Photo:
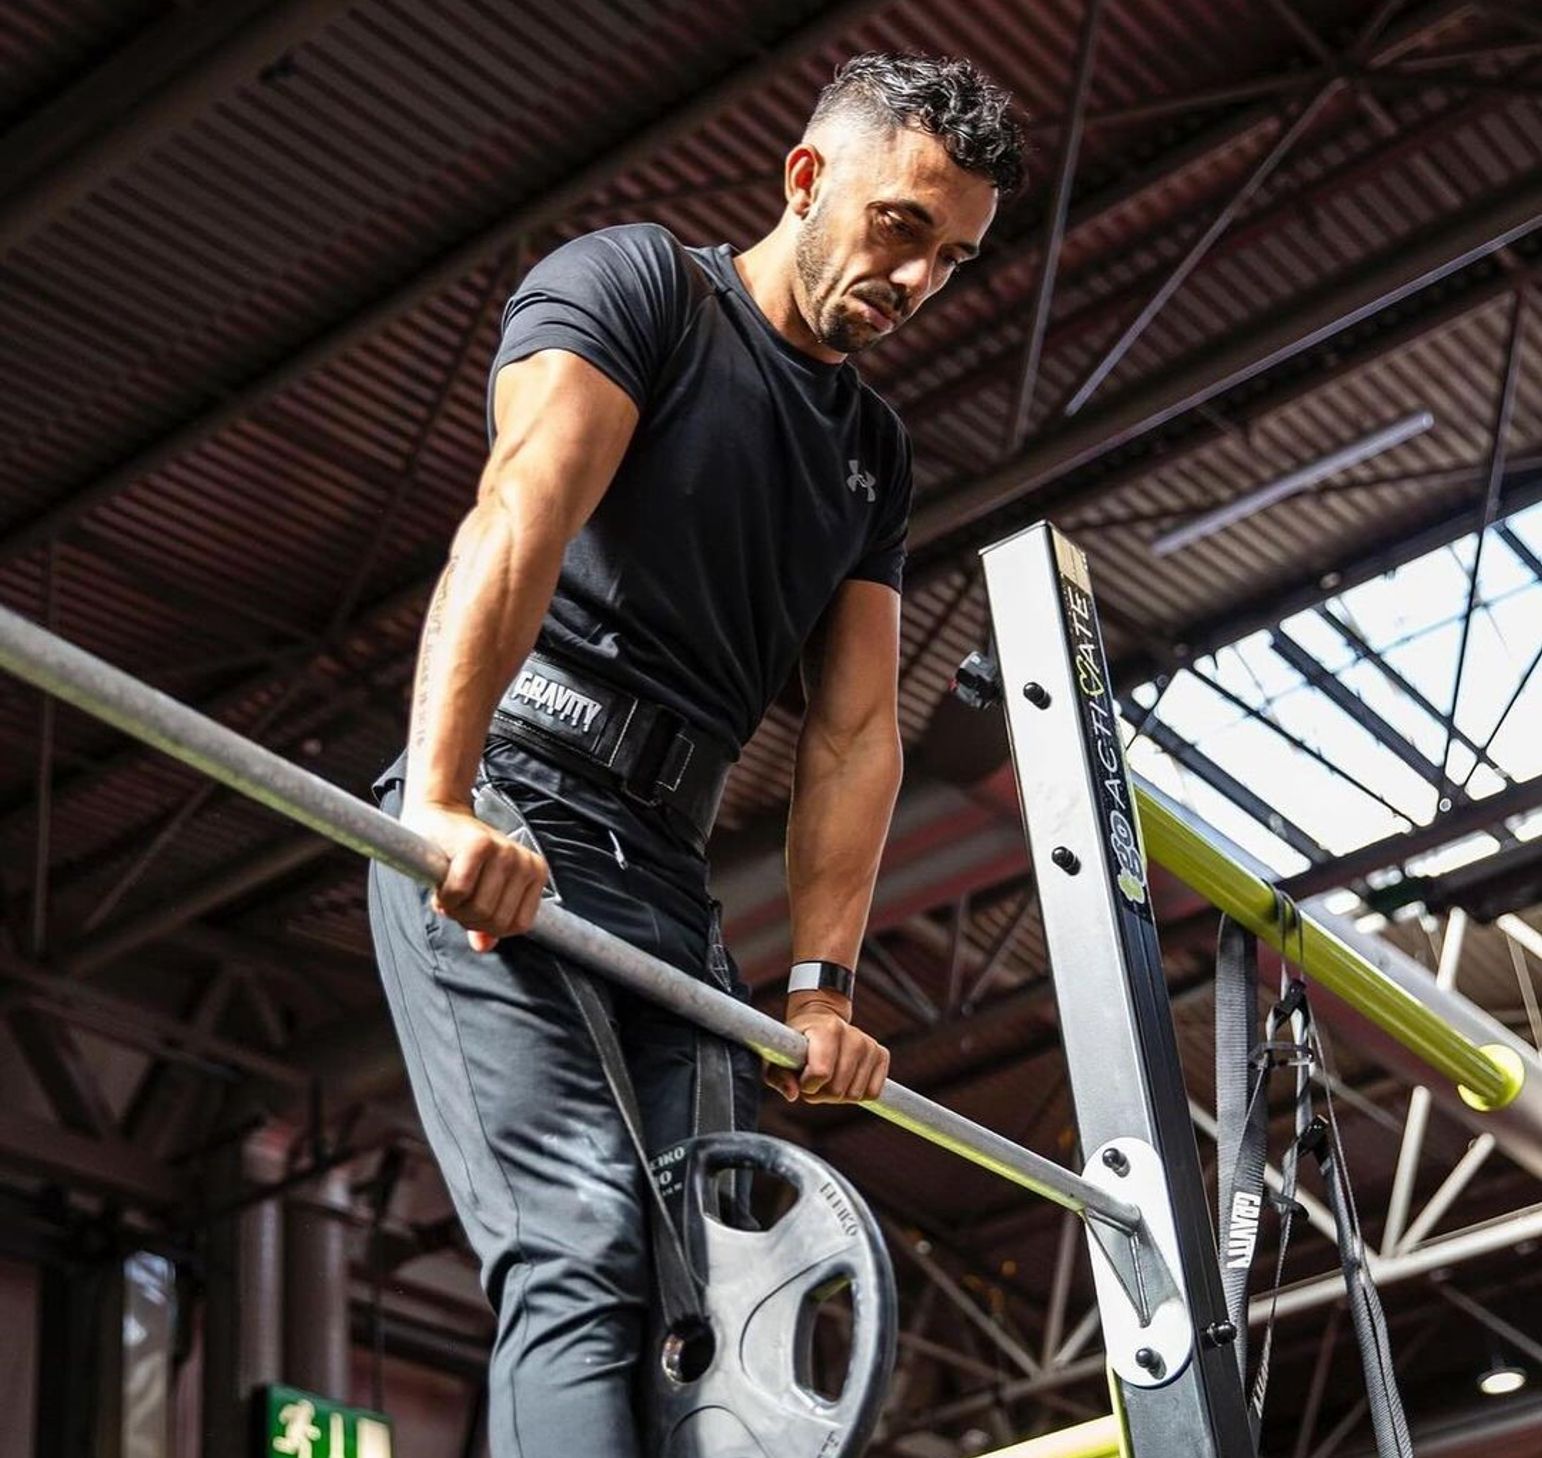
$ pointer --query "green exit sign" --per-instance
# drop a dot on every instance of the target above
(297, 1424)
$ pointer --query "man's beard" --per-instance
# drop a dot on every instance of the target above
(832, 326)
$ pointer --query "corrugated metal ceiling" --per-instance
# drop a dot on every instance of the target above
(182, 352)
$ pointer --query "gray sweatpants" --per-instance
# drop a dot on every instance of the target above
(530, 1143)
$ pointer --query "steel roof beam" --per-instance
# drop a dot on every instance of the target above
(450, 269)
(135, 1025)
(466, 258)
(1054, 229)
(108, 1166)
(228, 883)
(1363, 650)
(1170, 742)
(117, 105)
(58, 1067)
(1039, 478)
(116, 118)
(1349, 703)
(1522, 488)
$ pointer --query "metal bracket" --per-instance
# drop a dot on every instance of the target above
(1148, 1331)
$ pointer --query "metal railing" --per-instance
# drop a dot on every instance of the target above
(1488, 1076)
(60, 668)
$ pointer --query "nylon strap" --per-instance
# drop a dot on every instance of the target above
(1388, 1421)
(1242, 1074)
(1241, 1114)
(679, 1294)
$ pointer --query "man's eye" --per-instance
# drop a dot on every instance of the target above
(897, 225)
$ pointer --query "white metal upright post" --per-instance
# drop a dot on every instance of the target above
(1176, 1373)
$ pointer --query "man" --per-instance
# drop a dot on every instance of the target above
(689, 488)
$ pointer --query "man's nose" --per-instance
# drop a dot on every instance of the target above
(911, 277)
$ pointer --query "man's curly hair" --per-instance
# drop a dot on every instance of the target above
(951, 99)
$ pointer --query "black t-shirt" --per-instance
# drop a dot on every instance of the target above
(758, 479)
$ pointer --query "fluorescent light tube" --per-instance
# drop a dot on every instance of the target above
(1298, 480)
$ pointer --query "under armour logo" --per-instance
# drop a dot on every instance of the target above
(861, 480)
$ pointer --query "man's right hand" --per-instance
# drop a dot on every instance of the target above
(493, 887)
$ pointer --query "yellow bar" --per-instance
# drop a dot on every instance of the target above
(1097, 1439)
(1487, 1077)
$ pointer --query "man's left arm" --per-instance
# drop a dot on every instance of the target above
(845, 781)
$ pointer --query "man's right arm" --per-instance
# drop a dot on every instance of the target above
(562, 429)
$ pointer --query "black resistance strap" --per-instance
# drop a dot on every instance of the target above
(680, 1296)
(1243, 1066)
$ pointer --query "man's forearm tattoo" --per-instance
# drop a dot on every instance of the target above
(432, 627)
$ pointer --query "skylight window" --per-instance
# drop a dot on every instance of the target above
(1331, 733)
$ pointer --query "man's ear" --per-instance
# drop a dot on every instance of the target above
(804, 166)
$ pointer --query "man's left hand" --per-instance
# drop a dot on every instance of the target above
(844, 1064)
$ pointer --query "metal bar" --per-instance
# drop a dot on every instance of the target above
(1170, 742)
(1354, 640)
(1260, 713)
(1394, 849)
(161, 920)
(876, 979)
(1521, 932)
(1465, 1245)
(1249, 899)
(1522, 971)
(1082, 1333)
(1515, 542)
(1175, 280)
(1492, 487)
(48, 662)
(1112, 997)
(1054, 230)
(1443, 1198)
(1283, 83)
(44, 797)
(1320, 1370)
(1060, 1288)
(920, 1251)
(110, 1165)
(1373, 27)
(992, 963)
(920, 1003)
(1353, 706)
(958, 945)
(121, 1020)
(1510, 703)
(1347, 1424)
(1496, 1324)
(1286, 11)
(1468, 55)
(1417, 1122)
(1451, 80)
(1101, 1438)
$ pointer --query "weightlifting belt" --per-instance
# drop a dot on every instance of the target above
(646, 751)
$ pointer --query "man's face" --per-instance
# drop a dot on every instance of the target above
(889, 220)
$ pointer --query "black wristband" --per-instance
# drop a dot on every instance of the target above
(821, 976)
